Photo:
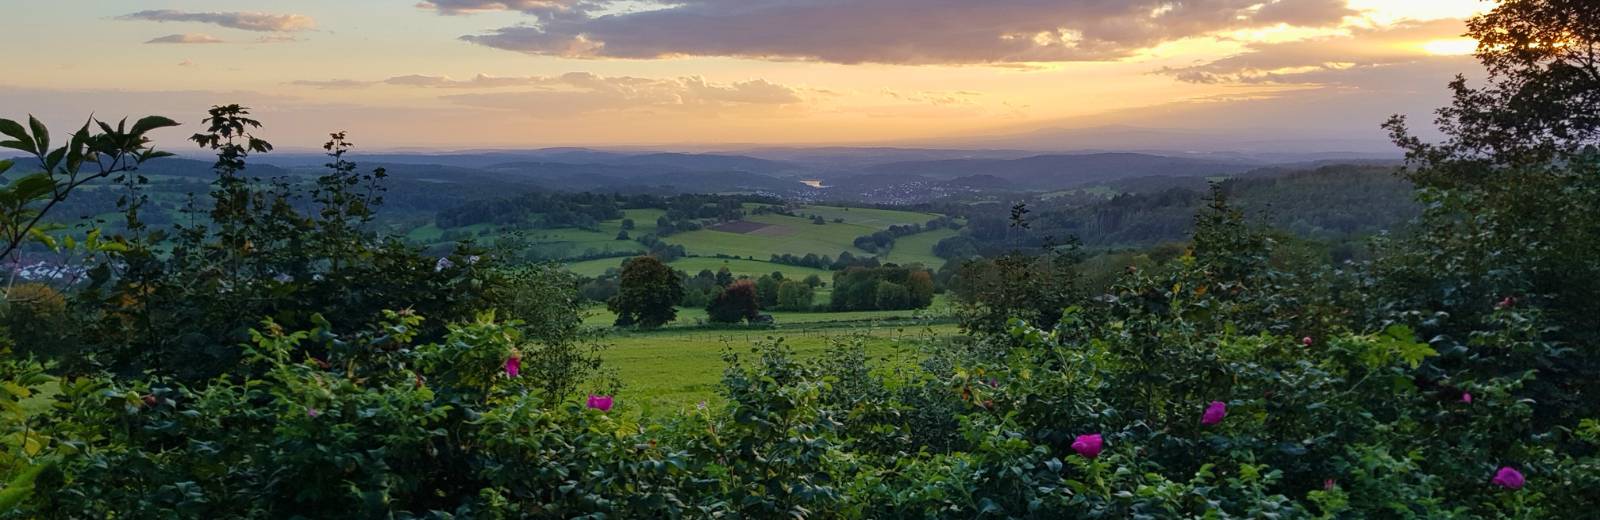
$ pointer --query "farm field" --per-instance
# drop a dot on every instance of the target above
(692, 265)
(875, 218)
(781, 234)
(555, 242)
(670, 370)
(754, 240)
(918, 248)
(694, 316)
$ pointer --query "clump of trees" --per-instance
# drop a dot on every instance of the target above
(882, 288)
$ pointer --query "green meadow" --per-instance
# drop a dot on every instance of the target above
(782, 235)
(672, 369)
(693, 265)
(918, 248)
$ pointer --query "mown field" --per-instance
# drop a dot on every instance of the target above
(692, 265)
(775, 234)
(782, 234)
(554, 242)
(918, 248)
(679, 365)
(673, 369)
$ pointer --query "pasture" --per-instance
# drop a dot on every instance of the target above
(672, 369)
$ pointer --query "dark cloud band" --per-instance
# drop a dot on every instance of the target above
(881, 31)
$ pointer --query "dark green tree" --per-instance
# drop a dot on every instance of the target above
(648, 293)
(767, 291)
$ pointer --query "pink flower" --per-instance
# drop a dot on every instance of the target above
(1089, 445)
(1306, 341)
(600, 402)
(514, 365)
(1509, 478)
(312, 413)
(1466, 397)
(1507, 303)
(1328, 484)
(1214, 413)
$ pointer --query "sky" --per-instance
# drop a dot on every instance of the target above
(476, 74)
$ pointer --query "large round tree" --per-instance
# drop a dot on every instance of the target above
(648, 293)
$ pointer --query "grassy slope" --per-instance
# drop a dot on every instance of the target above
(804, 237)
(668, 371)
(918, 248)
(571, 241)
(693, 265)
(874, 218)
(694, 316)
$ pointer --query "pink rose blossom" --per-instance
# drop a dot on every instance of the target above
(1466, 397)
(1089, 445)
(1509, 478)
(1214, 413)
(514, 365)
(1306, 341)
(600, 402)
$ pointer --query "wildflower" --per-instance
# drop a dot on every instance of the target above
(514, 365)
(1506, 303)
(1328, 484)
(1214, 413)
(312, 412)
(1466, 397)
(1509, 478)
(600, 402)
(150, 400)
(1089, 445)
(1306, 341)
(442, 264)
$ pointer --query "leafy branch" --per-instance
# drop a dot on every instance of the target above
(88, 155)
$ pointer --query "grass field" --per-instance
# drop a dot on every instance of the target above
(783, 234)
(874, 218)
(671, 370)
(695, 317)
(693, 265)
(555, 243)
(918, 248)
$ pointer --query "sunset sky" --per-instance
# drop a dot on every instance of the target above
(451, 74)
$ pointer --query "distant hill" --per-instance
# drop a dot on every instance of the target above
(659, 161)
(1063, 171)
(171, 166)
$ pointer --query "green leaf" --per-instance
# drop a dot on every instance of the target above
(151, 123)
(44, 238)
(5, 165)
(21, 140)
(14, 130)
(20, 487)
(41, 135)
(32, 187)
(52, 161)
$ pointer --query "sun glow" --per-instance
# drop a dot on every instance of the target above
(1456, 47)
